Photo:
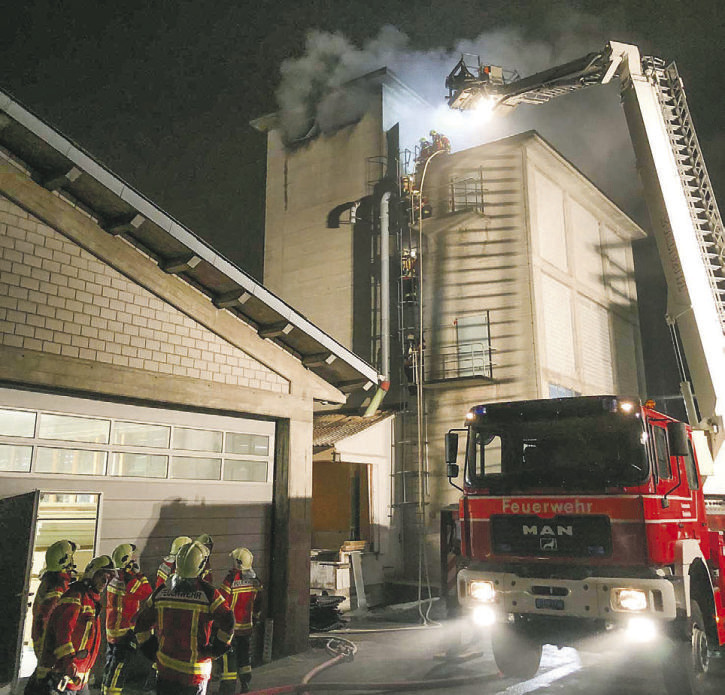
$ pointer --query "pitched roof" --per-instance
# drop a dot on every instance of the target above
(56, 162)
(330, 428)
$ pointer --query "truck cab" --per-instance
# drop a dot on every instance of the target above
(582, 516)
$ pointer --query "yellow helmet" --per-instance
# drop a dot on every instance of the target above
(206, 540)
(59, 556)
(190, 560)
(243, 558)
(102, 563)
(124, 556)
(178, 543)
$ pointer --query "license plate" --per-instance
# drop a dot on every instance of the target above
(552, 604)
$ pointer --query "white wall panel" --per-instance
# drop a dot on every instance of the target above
(594, 346)
(550, 220)
(586, 245)
(558, 327)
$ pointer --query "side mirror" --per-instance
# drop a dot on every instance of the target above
(452, 470)
(677, 439)
(451, 447)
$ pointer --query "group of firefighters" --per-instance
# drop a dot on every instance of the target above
(181, 624)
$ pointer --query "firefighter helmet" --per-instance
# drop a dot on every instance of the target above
(102, 563)
(243, 558)
(59, 556)
(177, 544)
(124, 556)
(191, 560)
(207, 541)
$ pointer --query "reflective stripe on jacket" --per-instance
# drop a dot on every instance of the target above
(52, 586)
(241, 591)
(123, 600)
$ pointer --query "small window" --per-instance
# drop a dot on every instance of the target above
(691, 469)
(17, 423)
(15, 458)
(74, 429)
(141, 434)
(556, 391)
(245, 471)
(192, 468)
(70, 461)
(485, 455)
(138, 465)
(255, 444)
(197, 440)
(662, 454)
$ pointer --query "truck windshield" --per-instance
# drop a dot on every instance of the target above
(571, 453)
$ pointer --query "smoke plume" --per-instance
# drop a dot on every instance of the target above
(319, 93)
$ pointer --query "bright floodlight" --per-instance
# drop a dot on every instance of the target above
(484, 616)
(641, 629)
(484, 107)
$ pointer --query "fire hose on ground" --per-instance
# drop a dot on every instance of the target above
(345, 650)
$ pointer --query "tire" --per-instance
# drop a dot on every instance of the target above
(688, 667)
(515, 654)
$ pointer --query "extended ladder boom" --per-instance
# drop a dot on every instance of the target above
(685, 217)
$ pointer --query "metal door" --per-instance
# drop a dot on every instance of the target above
(17, 531)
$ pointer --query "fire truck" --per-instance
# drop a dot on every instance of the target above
(584, 516)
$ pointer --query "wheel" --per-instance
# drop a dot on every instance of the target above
(689, 668)
(516, 654)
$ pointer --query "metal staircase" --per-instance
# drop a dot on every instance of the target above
(693, 175)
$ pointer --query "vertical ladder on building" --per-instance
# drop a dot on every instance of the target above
(694, 177)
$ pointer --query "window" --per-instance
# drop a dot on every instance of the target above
(15, 458)
(17, 423)
(556, 391)
(141, 434)
(661, 452)
(73, 429)
(249, 471)
(690, 469)
(197, 440)
(192, 468)
(70, 461)
(138, 465)
(473, 345)
(246, 444)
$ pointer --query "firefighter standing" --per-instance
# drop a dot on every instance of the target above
(242, 592)
(168, 565)
(184, 625)
(55, 579)
(125, 593)
(73, 634)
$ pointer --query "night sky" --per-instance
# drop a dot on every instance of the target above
(163, 92)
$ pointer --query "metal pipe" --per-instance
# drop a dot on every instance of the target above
(385, 283)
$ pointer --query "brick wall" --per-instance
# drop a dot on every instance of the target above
(57, 298)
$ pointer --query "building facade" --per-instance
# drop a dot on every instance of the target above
(148, 388)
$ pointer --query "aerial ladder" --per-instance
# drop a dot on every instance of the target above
(685, 217)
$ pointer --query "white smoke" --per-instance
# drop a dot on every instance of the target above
(588, 127)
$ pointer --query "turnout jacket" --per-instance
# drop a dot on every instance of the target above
(123, 599)
(242, 593)
(186, 616)
(73, 635)
(52, 586)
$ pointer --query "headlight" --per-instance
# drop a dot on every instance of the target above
(629, 600)
(482, 591)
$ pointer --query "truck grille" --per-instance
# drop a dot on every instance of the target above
(533, 536)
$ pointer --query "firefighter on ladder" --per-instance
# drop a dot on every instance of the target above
(184, 625)
(73, 635)
(55, 579)
(126, 591)
(168, 564)
(242, 592)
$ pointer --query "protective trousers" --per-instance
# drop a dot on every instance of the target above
(118, 657)
(237, 661)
